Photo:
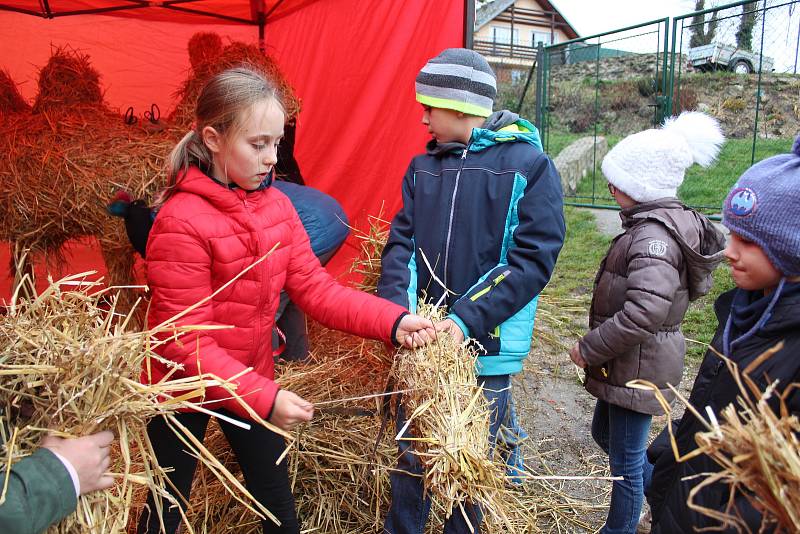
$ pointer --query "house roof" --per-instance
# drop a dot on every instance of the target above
(489, 10)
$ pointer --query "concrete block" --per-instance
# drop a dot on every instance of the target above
(577, 159)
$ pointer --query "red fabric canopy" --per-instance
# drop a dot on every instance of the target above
(192, 11)
(352, 62)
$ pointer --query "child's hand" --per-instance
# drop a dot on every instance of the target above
(577, 357)
(450, 326)
(290, 409)
(415, 331)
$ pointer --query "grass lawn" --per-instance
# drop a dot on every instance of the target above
(584, 247)
(702, 188)
(566, 299)
(709, 187)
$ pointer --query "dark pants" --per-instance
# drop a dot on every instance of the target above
(256, 451)
(622, 434)
(410, 508)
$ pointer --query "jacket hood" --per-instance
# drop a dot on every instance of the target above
(500, 127)
(700, 241)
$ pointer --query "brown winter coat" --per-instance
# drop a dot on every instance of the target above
(651, 272)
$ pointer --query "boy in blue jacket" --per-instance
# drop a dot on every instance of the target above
(485, 207)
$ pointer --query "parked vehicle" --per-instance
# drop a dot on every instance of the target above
(717, 56)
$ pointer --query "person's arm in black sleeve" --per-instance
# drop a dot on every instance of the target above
(537, 240)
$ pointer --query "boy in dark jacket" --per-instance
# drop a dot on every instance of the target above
(484, 206)
(663, 260)
(763, 214)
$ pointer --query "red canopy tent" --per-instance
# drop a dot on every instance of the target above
(352, 63)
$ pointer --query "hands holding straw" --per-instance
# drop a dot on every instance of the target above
(415, 331)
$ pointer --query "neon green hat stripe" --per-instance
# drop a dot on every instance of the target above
(445, 103)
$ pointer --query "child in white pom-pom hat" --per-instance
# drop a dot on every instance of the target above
(662, 261)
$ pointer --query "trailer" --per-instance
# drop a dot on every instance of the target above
(718, 56)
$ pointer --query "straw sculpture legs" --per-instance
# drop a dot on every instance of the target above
(623, 434)
(410, 507)
(256, 451)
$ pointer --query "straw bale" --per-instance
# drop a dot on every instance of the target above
(370, 247)
(11, 100)
(67, 79)
(448, 415)
(70, 367)
(236, 54)
(64, 162)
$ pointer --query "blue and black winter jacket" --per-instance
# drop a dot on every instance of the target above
(488, 217)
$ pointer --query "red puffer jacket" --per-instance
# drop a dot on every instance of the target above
(204, 236)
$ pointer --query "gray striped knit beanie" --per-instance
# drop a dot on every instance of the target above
(764, 207)
(458, 79)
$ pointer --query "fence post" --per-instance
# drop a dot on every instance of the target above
(542, 79)
(670, 92)
(537, 68)
(758, 85)
(663, 98)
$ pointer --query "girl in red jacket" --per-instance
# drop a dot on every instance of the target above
(220, 215)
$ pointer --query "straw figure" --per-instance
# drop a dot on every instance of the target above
(208, 58)
(64, 161)
(10, 99)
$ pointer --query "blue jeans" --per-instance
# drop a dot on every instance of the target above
(622, 434)
(410, 507)
(511, 436)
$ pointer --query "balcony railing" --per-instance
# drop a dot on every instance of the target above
(516, 51)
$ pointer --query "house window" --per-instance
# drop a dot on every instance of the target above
(537, 36)
(503, 35)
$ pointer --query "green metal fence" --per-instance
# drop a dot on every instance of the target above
(737, 62)
(586, 105)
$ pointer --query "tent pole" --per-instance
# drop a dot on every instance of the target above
(469, 22)
(261, 23)
(48, 13)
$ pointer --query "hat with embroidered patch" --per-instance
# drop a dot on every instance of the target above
(764, 207)
(458, 79)
(651, 164)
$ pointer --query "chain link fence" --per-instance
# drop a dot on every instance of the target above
(595, 90)
(738, 62)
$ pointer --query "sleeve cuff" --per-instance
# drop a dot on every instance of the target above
(396, 326)
(456, 319)
(73, 474)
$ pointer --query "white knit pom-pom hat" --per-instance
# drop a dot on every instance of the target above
(651, 164)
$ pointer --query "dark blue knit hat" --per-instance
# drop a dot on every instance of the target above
(764, 207)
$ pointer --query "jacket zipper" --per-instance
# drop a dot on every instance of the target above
(450, 221)
(492, 285)
(263, 266)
